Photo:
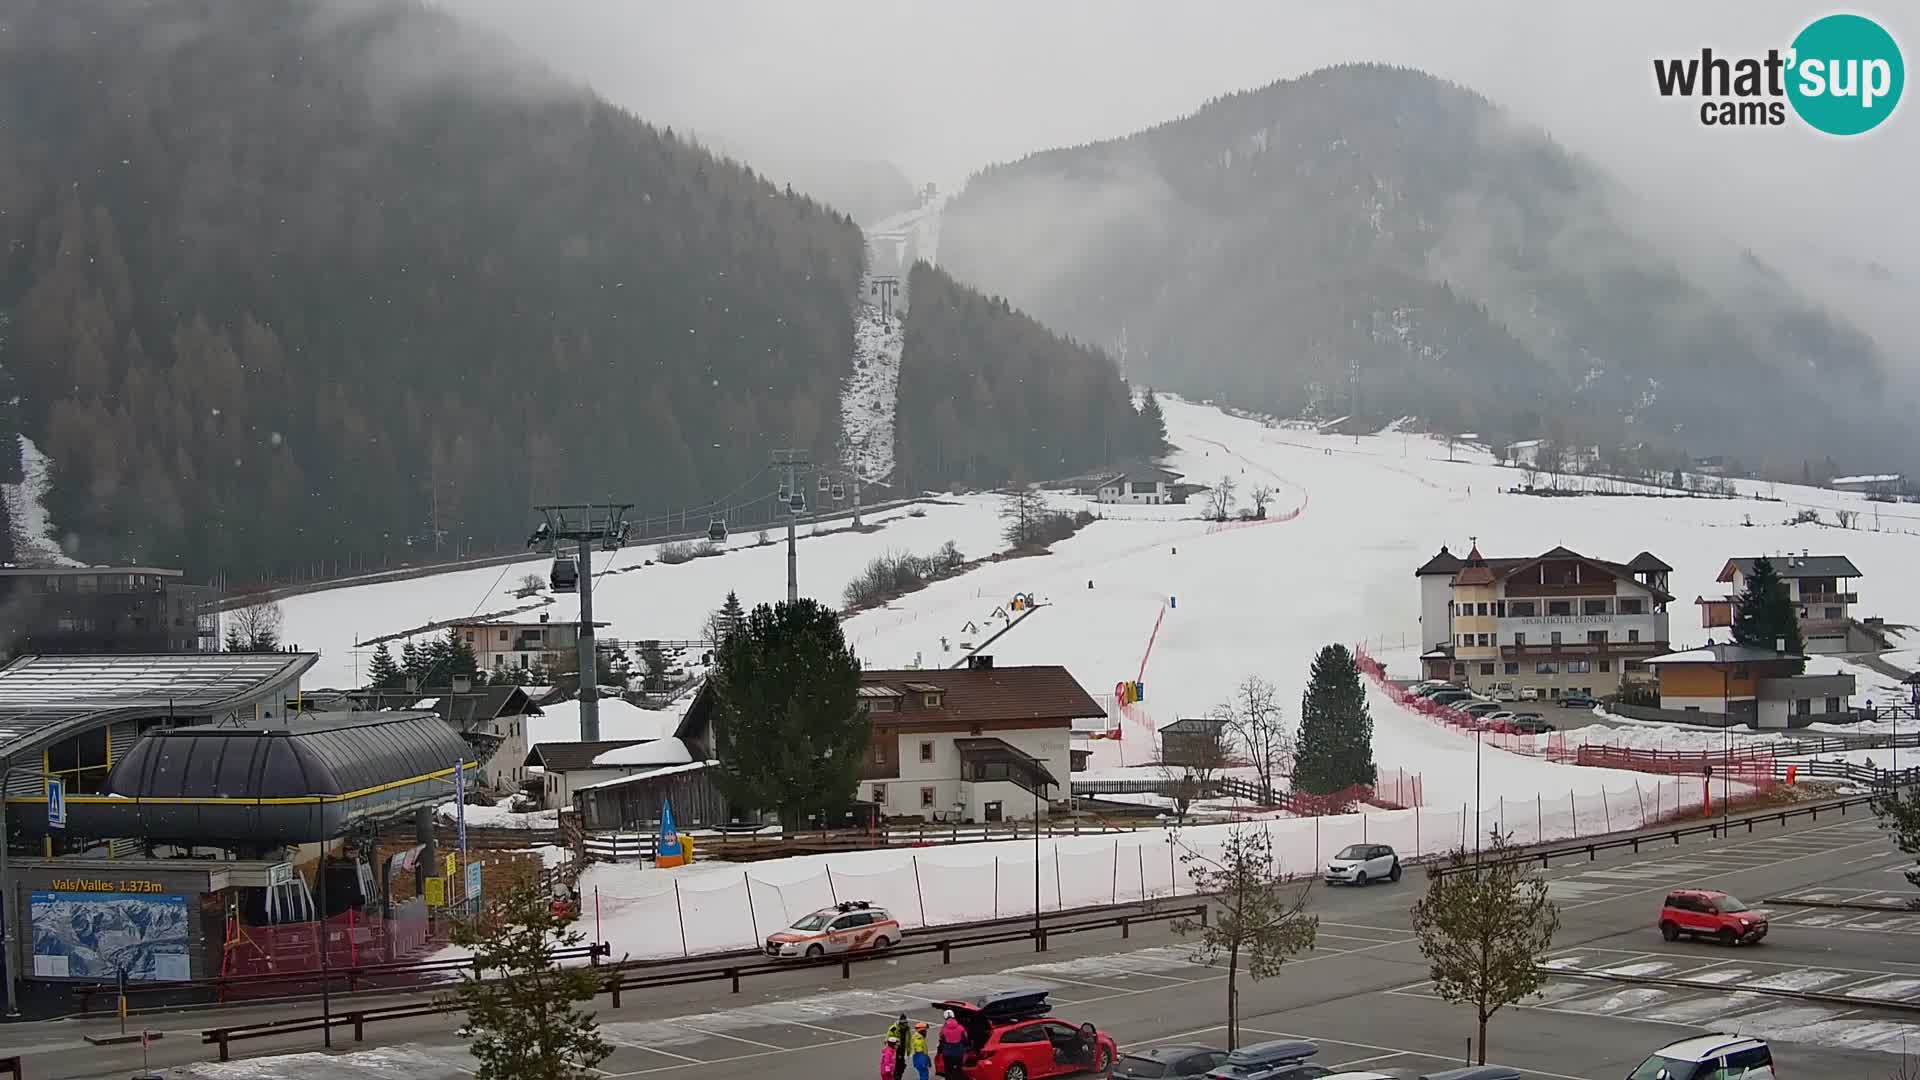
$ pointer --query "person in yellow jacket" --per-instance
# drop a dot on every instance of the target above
(917, 1045)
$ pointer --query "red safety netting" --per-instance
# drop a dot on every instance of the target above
(351, 939)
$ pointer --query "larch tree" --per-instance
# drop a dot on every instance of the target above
(1335, 750)
(1484, 925)
(784, 713)
(523, 1020)
(1256, 925)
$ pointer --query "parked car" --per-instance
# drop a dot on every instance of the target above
(1430, 689)
(1012, 1036)
(1169, 1062)
(1450, 697)
(1281, 1059)
(1707, 1056)
(1360, 864)
(1577, 701)
(1529, 724)
(1481, 709)
(1707, 913)
(848, 926)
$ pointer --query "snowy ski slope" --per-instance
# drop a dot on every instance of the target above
(1228, 602)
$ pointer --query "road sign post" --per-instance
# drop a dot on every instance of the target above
(56, 803)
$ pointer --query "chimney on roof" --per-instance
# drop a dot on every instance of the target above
(543, 616)
(979, 662)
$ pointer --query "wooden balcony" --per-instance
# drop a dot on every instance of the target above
(1829, 598)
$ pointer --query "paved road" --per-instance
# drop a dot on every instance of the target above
(1361, 994)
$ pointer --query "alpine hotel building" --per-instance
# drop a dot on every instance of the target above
(1556, 623)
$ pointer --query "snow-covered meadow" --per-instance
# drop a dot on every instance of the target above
(1352, 518)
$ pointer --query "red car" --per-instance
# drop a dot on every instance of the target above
(1706, 913)
(1010, 1036)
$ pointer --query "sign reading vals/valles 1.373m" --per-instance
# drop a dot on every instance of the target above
(105, 885)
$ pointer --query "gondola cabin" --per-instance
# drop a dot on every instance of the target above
(565, 577)
(797, 503)
(717, 531)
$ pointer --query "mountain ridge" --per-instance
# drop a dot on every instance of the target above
(1265, 245)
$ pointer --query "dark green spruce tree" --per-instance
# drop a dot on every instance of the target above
(454, 658)
(1153, 426)
(413, 663)
(1336, 732)
(1764, 613)
(783, 713)
(383, 673)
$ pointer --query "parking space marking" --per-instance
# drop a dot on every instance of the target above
(1389, 1050)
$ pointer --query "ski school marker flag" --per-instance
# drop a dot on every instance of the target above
(669, 845)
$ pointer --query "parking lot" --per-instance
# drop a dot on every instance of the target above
(1360, 994)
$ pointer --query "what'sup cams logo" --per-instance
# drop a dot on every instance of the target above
(1842, 75)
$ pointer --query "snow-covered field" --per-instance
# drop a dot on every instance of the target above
(1227, 602)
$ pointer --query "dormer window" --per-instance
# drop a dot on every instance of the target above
(933, 701)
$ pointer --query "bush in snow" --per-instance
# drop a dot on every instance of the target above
(683, 551)
(895, 574)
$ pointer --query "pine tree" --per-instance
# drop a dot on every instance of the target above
(383, 673)
(783, 713)
(456, 658)
(1153, 426)
(1764, 614)
(520, 1003)
(726, 620)
(414, 662)
(655, 661)
(1336, 731)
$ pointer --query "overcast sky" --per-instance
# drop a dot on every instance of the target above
(941, 89)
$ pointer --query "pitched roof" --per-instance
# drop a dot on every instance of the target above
(1199, 725)
(1047, 692)
(1720, 654)
(1475, 571)
(566, 756)
(1501, 569)
(1794, 566)
(485, 703)
(1444, 563)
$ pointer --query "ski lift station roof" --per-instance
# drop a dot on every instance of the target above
(309, 778)
(44, 698)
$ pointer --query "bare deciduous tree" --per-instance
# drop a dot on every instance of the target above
(1262, 494)
(1258, 724)
(1220, 501)
(255, 628)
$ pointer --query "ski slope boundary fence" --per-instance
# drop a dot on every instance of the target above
(651, 913)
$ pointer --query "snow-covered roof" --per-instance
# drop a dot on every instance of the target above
(667, 751)
(619, 719)
(652, 774)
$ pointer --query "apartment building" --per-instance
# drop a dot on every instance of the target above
(1820, 586)
(1555, 623)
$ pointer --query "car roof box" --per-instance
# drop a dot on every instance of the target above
(1008, 1005)
(1477, 1072)
(1269, 1052)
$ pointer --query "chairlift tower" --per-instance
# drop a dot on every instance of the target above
(885, 286)
(585, 524)
(795, 462)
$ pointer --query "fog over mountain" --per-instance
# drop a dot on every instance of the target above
(944, 91)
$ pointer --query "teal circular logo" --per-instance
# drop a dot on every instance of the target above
(1846, 74)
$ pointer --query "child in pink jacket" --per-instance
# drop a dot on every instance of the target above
(888, 1056)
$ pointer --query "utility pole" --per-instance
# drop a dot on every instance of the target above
(859, 448)
(796, 463)
(584, 523)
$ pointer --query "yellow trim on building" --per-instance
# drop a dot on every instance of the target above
(296, 800)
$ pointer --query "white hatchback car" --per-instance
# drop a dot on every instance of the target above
(1722, 1057)
(1361, 864)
